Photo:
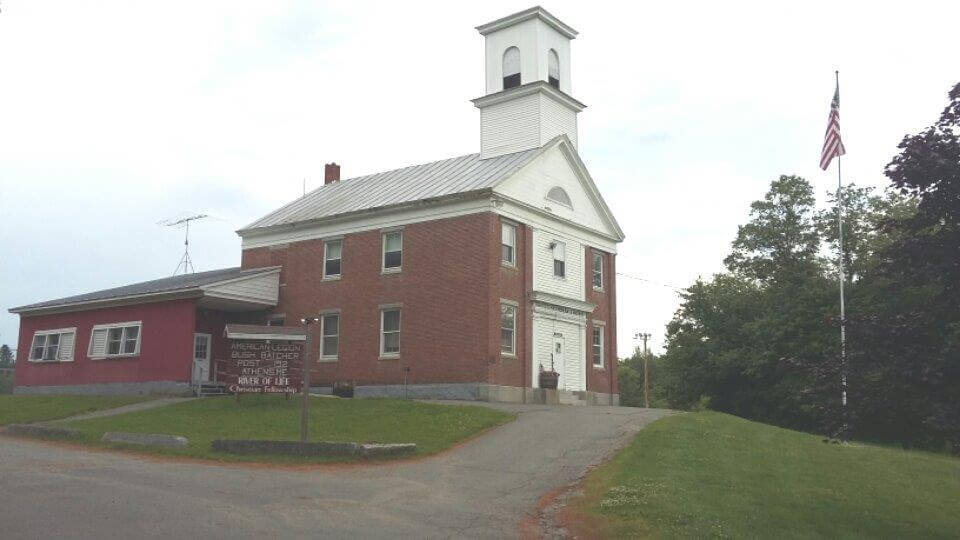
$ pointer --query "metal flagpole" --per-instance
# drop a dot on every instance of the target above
(843, 314)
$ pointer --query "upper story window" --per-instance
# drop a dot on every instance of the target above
(331, 258)
(597, 271)
(559, 259)
(330, 330)
(276, 320)
(392, 251)
(553, 69)
(511, 68)
(508, 243)
(557, 194)
(53, 345)
(118, 339)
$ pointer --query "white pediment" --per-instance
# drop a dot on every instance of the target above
(558, 166)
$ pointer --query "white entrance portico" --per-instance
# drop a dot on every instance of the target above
(559, 339)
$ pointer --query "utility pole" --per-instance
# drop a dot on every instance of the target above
(305, 406)
(646, 368)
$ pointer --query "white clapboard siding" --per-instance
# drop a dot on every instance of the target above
(551, 169)
(65, 353)
(510, 126)
(556, 119)
(572, 370)
(570, 286)
(260, 288)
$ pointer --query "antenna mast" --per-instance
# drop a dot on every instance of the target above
(185, 261)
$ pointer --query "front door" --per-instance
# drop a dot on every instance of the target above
(201, 357)
(558, 364)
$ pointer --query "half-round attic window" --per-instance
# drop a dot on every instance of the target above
(557, 194)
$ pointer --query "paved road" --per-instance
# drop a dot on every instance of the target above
(482, 489)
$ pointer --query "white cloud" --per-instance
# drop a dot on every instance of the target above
(115, 115)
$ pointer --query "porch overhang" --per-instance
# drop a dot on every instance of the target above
(266, 333)
(232, 289)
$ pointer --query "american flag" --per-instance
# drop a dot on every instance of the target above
(832, 145)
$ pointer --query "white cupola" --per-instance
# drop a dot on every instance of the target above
(528, 99)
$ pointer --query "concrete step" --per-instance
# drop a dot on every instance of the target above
(568, 397)
(210, 389)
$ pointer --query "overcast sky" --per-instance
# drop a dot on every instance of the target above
(117, 115)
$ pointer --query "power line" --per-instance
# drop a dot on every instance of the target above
(638, 278)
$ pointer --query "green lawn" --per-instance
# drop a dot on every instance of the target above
(711, 475)
(17, 408)
(432, 427)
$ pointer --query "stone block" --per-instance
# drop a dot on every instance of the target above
(286, 448)
(41, 431)
(145, 439)
(378, 450)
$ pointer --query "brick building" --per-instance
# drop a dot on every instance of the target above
(462, 278)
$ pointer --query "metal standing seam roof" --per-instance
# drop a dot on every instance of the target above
(448, 177)
(164, 285)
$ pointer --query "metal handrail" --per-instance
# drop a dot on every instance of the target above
(198, 382)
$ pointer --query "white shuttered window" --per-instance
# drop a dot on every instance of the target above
(53, 345)
(118, 339)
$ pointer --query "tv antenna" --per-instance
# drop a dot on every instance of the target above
(185, 261)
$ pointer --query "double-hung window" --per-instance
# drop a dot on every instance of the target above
(597, 271)
(111, 340)
(559, 259)
(597, 345)
(330, 332)
(331, 258)
(508, 329)
(53, 345)
(508, 244)
(392, 251)
(390, 332)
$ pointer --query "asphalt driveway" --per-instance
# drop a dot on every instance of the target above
(482, 489)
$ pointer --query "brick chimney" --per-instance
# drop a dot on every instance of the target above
(331, 173)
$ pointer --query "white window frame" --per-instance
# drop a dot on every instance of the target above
(46, 342)
(383, 311)
(567, 203)
(323, 328)
(209, 338)
(326, 257)
(512, 306)
(505, 226)
(593, 270)
(123, 339)
(557, 245)
(383, 252)
(603, 338)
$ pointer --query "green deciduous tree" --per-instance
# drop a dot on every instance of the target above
(761, 340)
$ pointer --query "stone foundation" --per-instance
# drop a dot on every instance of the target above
(162, 388)
(479, 392)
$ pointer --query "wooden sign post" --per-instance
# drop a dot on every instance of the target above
(305, 407)
(270, 360)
